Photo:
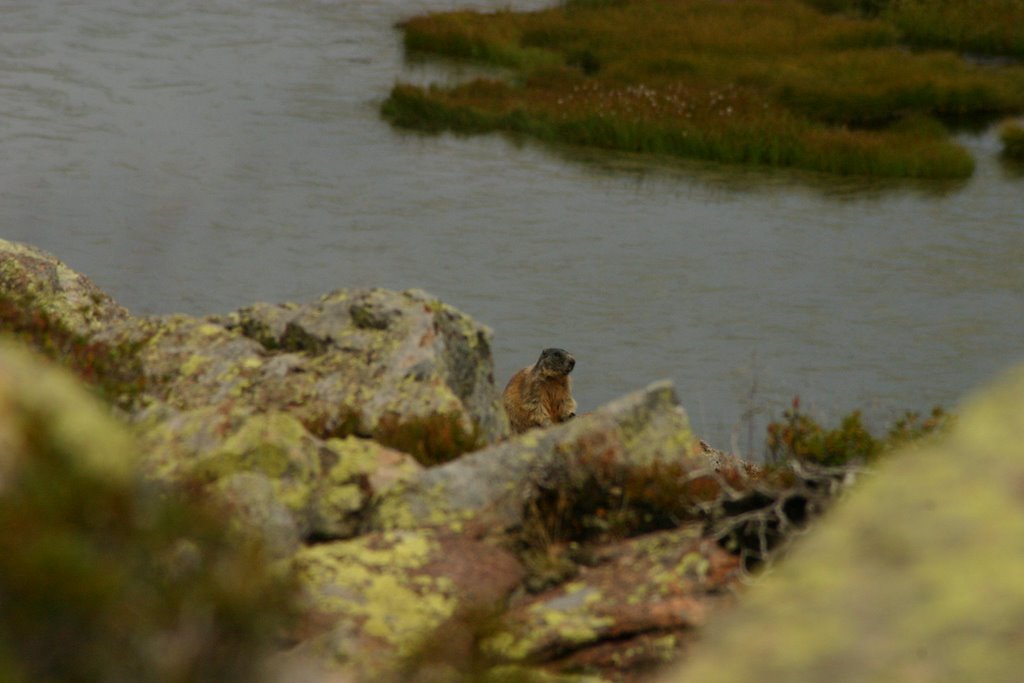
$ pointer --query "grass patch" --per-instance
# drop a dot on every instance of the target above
(989, 27)
(754, 82)
(992, 27)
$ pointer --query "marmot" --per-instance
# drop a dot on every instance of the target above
(541, 395)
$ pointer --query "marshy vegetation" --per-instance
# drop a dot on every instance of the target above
(1012, 135)
(983, 27)
(834, 87)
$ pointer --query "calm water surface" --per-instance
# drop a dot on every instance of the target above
(197, 156)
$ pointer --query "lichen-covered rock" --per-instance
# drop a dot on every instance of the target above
(254, 510)
(43, 282)
(62, 314)
(320, 486)
(103, 578)
(380, 598)
(399, 367)
(917, 575)
(641, 428)
(632, 609)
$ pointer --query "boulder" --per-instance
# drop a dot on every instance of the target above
(401, 368)
(642, 428)
(398, 367)
(405, 352)
(916, 575)
(101, 576)
(359, 441)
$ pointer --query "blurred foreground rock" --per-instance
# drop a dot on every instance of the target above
(917, 576)
(102, 577)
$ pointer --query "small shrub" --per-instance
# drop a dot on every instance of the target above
(911, 427)
(797, 436)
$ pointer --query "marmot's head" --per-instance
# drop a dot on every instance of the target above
(555, 362)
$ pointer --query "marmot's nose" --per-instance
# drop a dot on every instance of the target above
(572, 362)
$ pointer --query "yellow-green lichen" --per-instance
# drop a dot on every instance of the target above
(343, 498)
(406, 507)
(195, 364)
(377, 583)
(273, 444)
(401, 615)
(355, 457)
(545, 624)
(394, 510)
(694, 566)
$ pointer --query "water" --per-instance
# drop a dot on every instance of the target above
(200, 155)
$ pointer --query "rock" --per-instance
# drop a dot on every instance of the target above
(917, 574)
(645, 427)
(44, 283)
(381, 599)
(47, 305)
(305, 434)
(254, 509)
(318, 488)
(400, 367)
(421, 383)
(633, 609)
(101, 576)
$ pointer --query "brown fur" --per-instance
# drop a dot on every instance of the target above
(541, 395)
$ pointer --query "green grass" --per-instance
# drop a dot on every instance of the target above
(1012, 135)
(767, 82)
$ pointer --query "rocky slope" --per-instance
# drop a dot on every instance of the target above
(359, 441)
